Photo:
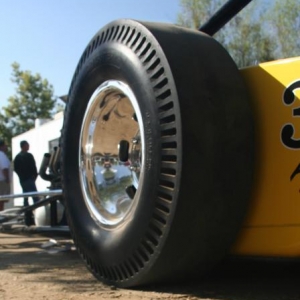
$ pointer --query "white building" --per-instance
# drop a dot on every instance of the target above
(41, 139)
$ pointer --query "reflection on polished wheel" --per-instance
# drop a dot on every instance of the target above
(111, 156)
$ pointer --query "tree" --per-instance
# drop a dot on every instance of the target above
(195, 12)
(244, 37)
(285, 21)
(6, 134)
(33, 99)
(247, 41)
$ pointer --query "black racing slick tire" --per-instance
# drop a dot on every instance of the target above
(157, 153)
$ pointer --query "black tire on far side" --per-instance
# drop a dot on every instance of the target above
(172, 102)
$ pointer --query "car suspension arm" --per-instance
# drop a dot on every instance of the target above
(230, 9)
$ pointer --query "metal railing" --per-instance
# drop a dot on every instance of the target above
(50, 197)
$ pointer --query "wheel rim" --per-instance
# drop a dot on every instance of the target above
(111, 153)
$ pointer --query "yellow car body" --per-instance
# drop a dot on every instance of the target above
(272, 226)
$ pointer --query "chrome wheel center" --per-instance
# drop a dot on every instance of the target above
(111, 153)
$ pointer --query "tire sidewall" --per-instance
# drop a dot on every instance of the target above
(113, 61)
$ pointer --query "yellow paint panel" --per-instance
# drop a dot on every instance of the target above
(275, 94)
(270, 241)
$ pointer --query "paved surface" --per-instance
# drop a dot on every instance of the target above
(31, 270)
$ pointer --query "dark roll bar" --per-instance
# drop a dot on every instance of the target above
(230, 9)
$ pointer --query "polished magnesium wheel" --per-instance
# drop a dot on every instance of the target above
(111, 159)
(157, 153)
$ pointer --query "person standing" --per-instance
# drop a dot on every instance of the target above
(4, 172)
(25, 167)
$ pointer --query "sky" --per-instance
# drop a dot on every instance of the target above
(49, 36)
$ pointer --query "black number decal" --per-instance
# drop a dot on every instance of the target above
(288, 130)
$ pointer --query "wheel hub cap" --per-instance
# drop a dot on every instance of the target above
(111, 153)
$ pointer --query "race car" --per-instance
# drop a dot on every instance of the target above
(197, 145)
(171, 157)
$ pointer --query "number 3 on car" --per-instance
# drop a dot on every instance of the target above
(272, 227)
